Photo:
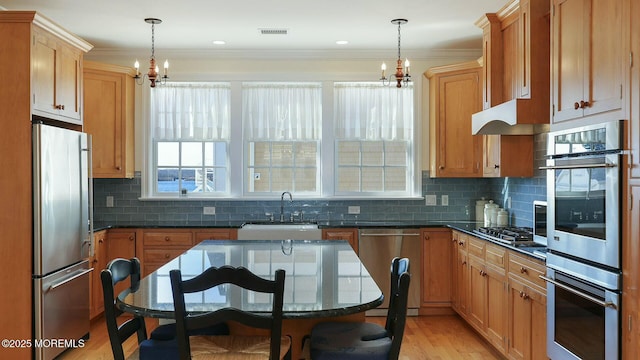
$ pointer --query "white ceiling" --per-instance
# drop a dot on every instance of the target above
(434, 25)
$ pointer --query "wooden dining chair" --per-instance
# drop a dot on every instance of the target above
(236, 347)
(116, 271)
(363, 340)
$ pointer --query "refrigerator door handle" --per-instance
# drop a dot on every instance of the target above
(69, 279)
(89, 178)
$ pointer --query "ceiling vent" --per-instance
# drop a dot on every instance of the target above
(274, 31)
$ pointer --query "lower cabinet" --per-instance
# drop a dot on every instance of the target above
(498, 291)
(163, 245)
(437, 285)
(348, 234)
(98, 262)
(216, 234)
(159, 246)
(460, 274)
(527, 309)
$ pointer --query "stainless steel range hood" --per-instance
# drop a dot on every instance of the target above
(514, 117)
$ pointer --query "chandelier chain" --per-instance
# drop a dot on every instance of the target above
(153, 40)
(399, 40)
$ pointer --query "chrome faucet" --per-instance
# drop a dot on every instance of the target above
(282, 204)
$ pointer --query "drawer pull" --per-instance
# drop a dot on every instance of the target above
(166, 256)
(131, 238)
(166, 238)
(523, 270)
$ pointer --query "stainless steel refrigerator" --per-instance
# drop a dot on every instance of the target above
(61, 238)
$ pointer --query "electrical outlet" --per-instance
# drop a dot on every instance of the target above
(354, 209)
(109, 201)
(430, 200)
(209, 210)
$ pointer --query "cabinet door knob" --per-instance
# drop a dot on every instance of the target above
(426, 237)
(576, 105)
(496, 166)
(131, 238)
(118, 168)
(166, 256)
(464, 263)
(59, 107)
(523, 270)
(584, 104)
(461, 243)
(441, 167)
(166, 238)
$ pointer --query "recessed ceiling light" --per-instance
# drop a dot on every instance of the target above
(342, 42)
(219, 42)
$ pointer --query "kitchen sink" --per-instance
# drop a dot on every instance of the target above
(280, 231)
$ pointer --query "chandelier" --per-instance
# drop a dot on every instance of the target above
(402, 74)
(153, 74)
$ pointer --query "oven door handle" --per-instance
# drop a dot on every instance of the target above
(604, 304)
(582, 166)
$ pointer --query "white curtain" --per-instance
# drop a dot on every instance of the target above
(282, 111)
(369, 111)
(191, 111)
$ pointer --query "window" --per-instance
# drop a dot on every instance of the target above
(373, 129)
(281, 128)
(257, 139)
(190, 137)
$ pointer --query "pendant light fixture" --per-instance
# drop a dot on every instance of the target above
(402, 73)
(153, 74)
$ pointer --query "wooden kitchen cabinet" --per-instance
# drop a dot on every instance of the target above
(121, 244)
(437, 284)
(159, 246)
(460, 273)
(510, 74)
(527, 309)
(17, 73)
(215, 234)
(454, 95)
(348, 234)
(109, 118)
(98, 262)
(488, 291)
(590, 60)
(57, 77)
(630, 318)
(507, 156)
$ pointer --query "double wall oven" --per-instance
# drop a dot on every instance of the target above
(583, 226)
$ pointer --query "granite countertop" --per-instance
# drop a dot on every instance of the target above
(468, 227)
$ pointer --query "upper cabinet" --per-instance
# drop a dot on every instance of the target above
(590, 60)
(515, 70)
(109, 118)
(515, 88)
(56, 65)
(454, 94)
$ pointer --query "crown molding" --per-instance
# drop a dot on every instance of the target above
(362, 55)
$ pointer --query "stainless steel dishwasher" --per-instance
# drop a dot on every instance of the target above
(377, 247)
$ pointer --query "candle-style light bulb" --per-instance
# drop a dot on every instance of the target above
(137, 66)
(166, 67)
(406, 66)
(383, 67)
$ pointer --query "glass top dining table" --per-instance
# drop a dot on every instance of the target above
(324, 278)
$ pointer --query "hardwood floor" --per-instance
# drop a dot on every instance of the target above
(425, 338)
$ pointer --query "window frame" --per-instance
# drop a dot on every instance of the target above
(236, 153)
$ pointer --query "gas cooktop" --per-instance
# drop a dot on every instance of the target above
(515, 236)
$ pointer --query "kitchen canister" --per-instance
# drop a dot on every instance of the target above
(480, 209)
(489, 213)
(502, 219)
